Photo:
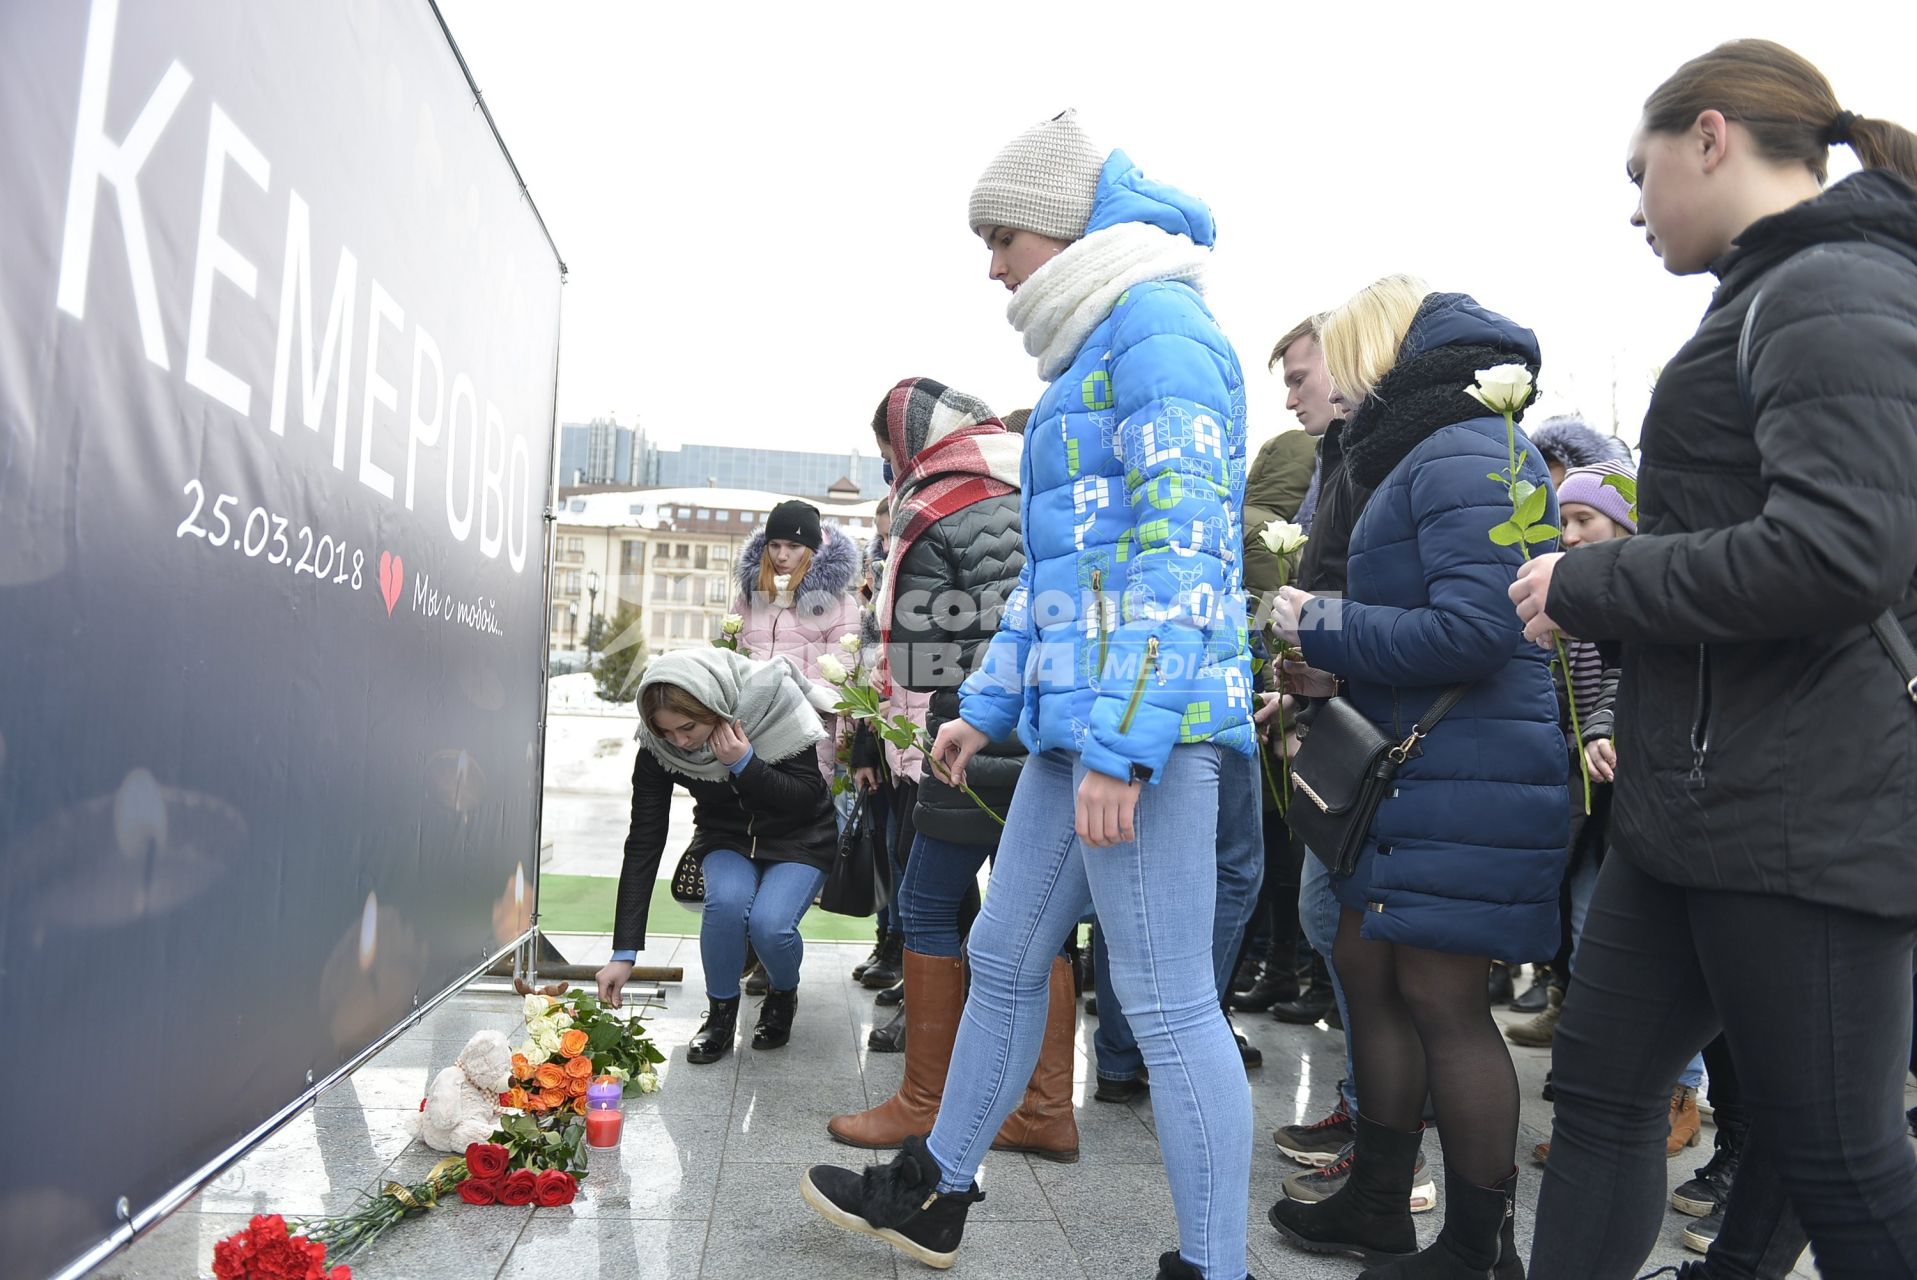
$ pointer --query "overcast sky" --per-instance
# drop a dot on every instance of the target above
(762, 206)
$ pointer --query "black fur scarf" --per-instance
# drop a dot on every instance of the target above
(1417, 398)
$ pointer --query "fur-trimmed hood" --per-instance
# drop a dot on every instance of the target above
(835, 565)
(1572, 442)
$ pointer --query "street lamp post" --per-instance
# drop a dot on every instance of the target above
(572, 624)
(592, 610)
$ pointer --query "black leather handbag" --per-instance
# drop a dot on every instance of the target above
(688, 880)
(1342, 773)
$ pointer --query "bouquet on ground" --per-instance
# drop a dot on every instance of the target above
(526, 1163)
(264, 1250)
(569, 1040)
(859, 699)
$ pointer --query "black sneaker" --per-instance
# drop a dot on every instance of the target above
(898, 1203)
(1535, 997)
(1321, 1142)
(1698, 1235)
(1313, 1185)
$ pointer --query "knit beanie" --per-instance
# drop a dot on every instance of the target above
(1043, 181)
(795, 521)
(1586, 485)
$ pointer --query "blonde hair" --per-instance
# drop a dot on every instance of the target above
(662, 696)
(1361, 339)
(767, 573)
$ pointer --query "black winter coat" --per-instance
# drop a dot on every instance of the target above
(771, 812)
(1765, 743)
(1341, 500)
(976, 553)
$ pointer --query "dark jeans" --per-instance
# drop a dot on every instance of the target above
(938, 895)
(1812, 1003)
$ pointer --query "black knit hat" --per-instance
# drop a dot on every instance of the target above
(795, 521)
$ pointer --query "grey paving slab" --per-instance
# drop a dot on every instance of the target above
(583, 1247)
(705, 1181)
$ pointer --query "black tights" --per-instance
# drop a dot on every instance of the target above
(1421, 1019)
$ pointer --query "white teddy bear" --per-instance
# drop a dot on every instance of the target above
(462, 1107)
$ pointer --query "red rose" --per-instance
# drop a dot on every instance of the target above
(479, 1190)
(487, 1159)
(229, 1260)
(555, 1187)
(518, 1187)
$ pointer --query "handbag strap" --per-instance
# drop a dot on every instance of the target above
(1888, 630)
(1429, 721)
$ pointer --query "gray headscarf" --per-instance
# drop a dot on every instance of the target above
(768, 698)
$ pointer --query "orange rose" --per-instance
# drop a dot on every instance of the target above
(576, 1088)
(516, 1097)
(522, 1069)
(554, 1098)
(579, 1105)
(572, 1043)
(536, 1103)
(550, 1076)
(580, 1068)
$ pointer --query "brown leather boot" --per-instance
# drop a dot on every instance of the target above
(1044, 1125)
(934, 997)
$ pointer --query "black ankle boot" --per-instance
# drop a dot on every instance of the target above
(1498, 984)
(1468, 1248)
(1510, 1264)
(892, 995)
(898, 1202)
(889, 1038)
(884, 971)
(1276, 981)
(714, 1040)
(1369, 1216)
(878, 945)
(775, 1019)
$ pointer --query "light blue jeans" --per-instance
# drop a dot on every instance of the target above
(1155, 897)
(1241, 870)
(1318, 917)
(763, 900)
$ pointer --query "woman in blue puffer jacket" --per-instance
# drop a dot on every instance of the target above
(1463, 859)
(1120, 660)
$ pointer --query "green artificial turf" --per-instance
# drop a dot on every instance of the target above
(583, 904)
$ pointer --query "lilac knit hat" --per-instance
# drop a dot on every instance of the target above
(1586, 485)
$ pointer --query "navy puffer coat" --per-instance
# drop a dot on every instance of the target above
(1467, 852)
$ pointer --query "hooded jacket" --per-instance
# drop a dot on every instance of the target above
(811, 621)
(1125, 635)
(1765, 741)
(1467, 850)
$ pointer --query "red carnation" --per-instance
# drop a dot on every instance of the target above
(518, 1187)
(479, 1190)
(555, 1187)
(487, 1159)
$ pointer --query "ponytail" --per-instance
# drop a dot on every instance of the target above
(1788, 106)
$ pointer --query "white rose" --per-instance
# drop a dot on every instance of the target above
(849, 642)
(1281, 537)
(832, 669)
(548, 1040)
(782, 582)
(532, 1053)
(618, 1073)
(732, 626)
(648, 1081)
(536, 1005)
(560, 1022)
(1505, 389)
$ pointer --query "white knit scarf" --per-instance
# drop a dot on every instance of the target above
(1057, 308)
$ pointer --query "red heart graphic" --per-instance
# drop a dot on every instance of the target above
(392, 575)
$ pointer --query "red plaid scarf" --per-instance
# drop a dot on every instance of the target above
(955, 454)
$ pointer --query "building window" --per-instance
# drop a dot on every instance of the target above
(716, 591)
(577, 504)
(682, 589)
(680, 552)
(658, 626)
(661, 587)
(704, 514)
(685, 513)
(722, 515)
(699, 557)
(632, 554)
(720, 555)
(636, 509)
(559, 616)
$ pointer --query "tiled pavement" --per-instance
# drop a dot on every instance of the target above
(705, 1182)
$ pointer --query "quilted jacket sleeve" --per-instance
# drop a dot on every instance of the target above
(1834, 381)
(992, 697)
(1467, 630)
(1171, 374)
